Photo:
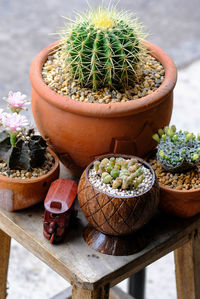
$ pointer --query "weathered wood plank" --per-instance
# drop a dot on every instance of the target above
(115, 293)
(187, 261)
(78, 263)
(98, 293)
(4, 259)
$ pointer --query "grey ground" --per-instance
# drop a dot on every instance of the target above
(24, 30)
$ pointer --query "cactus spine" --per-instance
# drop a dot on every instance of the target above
(102, 48)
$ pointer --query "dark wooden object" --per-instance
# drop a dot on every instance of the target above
(117, 215)
(115, 245)
(59, 209)
(92, 273)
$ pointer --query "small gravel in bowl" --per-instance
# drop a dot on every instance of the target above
(150, 75)
(28, 174)
(96, 181)
(180, 181)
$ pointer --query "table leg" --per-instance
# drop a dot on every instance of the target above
(4, 259)
(100, 293)
(187, 261)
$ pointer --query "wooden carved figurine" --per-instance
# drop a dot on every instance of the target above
(59, 209)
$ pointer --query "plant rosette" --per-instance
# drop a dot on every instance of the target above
(105, 87)
(27, 166)
(118, 194)
(177, 167)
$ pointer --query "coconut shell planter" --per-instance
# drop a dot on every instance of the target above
(177, 167)
(106, 88)
(118, 195)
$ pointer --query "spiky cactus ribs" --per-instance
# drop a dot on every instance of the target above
(28, 153)
(177, 151)
(102, 48)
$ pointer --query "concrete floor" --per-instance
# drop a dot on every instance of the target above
(24, 29)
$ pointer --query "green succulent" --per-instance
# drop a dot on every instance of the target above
(102, 48)
(177, 151)
(119, 173)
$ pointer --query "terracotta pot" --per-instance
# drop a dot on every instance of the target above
(17, 194)
(117, 215)
(79, 132)
(181, 203)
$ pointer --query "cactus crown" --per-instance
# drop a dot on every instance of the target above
(102, 48)
(177, 151)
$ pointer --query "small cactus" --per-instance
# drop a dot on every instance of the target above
(119, 173)
(102, 48)
(177, 151)
(26, 154)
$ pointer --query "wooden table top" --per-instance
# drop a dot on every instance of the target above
(78, 263)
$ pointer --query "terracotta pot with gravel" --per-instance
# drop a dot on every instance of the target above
(101, 89)
(27, 166)
(21, 193)
(177, 167)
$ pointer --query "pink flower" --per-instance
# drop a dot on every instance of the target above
(17, 101)
(14, 122)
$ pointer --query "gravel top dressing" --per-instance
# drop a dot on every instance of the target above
(150, 75)
(183, 181)
(134, 183)
(24, 174)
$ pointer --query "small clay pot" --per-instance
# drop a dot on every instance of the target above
(117, 215)
(181, 203)
(79, 131)
(17, 194)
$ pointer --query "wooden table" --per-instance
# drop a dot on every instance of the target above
(92, 274)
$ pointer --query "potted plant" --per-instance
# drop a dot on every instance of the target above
(177, 167)
(27, 166)
(101, 89)
(118, 194)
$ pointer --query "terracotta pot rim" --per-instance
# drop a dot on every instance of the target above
(37, 179)
(168, 189)
(104, 110)
(123, 156)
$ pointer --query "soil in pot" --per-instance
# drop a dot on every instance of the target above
(149, 76)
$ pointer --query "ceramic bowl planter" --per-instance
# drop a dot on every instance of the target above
(17, 194)
(116, 215)
(79, 131)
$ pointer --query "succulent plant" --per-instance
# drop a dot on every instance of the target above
(102, 48)
(19, 149)
(177, 151)
(119, 172)
(29, 151)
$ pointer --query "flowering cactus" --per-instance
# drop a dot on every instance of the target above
(18, 148)
(102, 48)
(120, 172)
(177, 151)
(16, 101)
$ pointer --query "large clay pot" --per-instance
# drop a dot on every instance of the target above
(17, 194)
(79, 132)
(117, 215)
